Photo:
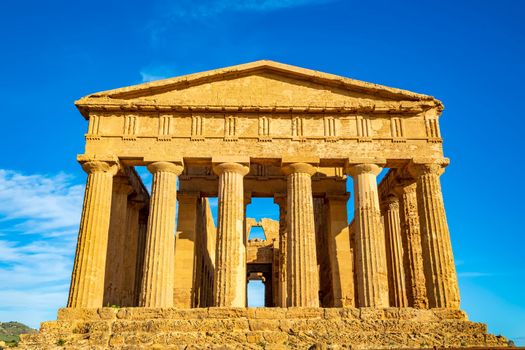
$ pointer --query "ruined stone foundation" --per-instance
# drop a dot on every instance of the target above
(260, 328)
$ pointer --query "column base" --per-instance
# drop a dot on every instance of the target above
(260, 328)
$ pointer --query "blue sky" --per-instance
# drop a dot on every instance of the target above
(467, 53)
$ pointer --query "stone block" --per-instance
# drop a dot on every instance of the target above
(304, 312)
(449, 314)
(263, 324)
(227, 312)
(344, 313)
(496, 340)
(107, 313)
(368, 313)
(66, 314)
(269, 313)
(464, 340)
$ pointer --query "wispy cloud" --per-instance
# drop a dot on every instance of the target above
(147, 76)
(39, 217)
(46, 205)
(171, 12)
(189, 9)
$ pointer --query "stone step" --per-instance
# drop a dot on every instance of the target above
(141, 328)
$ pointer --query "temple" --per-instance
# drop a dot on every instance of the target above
(264, 129)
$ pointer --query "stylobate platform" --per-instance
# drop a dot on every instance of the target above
(260, 328)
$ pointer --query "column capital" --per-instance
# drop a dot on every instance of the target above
(303, 168)
(418, 170)
(229, 167)
(391, 202)
(167, 167)
(364, 168)
(94, 166)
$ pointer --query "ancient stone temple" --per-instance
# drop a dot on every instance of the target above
(154, 270)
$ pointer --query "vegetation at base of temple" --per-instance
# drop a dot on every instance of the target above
(10, 332)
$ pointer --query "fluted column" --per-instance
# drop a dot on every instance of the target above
(440, 272)
(280, 199)
(87, 280)
(114, 284)
(302, 274)
(131, 252)
(141, 250)
(157, 281)
(411, 237)
(339, 251)
(394, 253)
(371, 270)
(230, 259)
(185, 243)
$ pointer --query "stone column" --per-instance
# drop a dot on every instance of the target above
(411, 238)
(157, 281)
(131, 252)
(280, 199)
(440, 272)
(141, 250)
(302, 273)
(185, 254)
(118, 235)
(230, 259)
(341, 259)
(371, 271)
(394, 253)
(87, 280)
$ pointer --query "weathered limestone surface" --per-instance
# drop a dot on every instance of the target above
(280, 199)
(115, 288)
(260, 328)
(394, 253)
(302, 274)
(341, 258)
(141, 249)
(411, 234)
(131, 246)
(230, 269)
(372, 283)
(157, 284)
(87, 280)
(185, 241)
(440, 272)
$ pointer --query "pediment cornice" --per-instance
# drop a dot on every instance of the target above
(330, 93)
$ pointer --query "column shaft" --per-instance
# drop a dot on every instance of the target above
(341, 258)
(440, 272)
(282, 283)
(302, 272)
(413, 257)
(157, 282)
(372, 283)
(185, 254)
(230, 266)
(114, 293)
(141, 250)
(394, 253)
(87, 280)
(131, 245)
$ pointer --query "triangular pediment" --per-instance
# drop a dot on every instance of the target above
(260, 83)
